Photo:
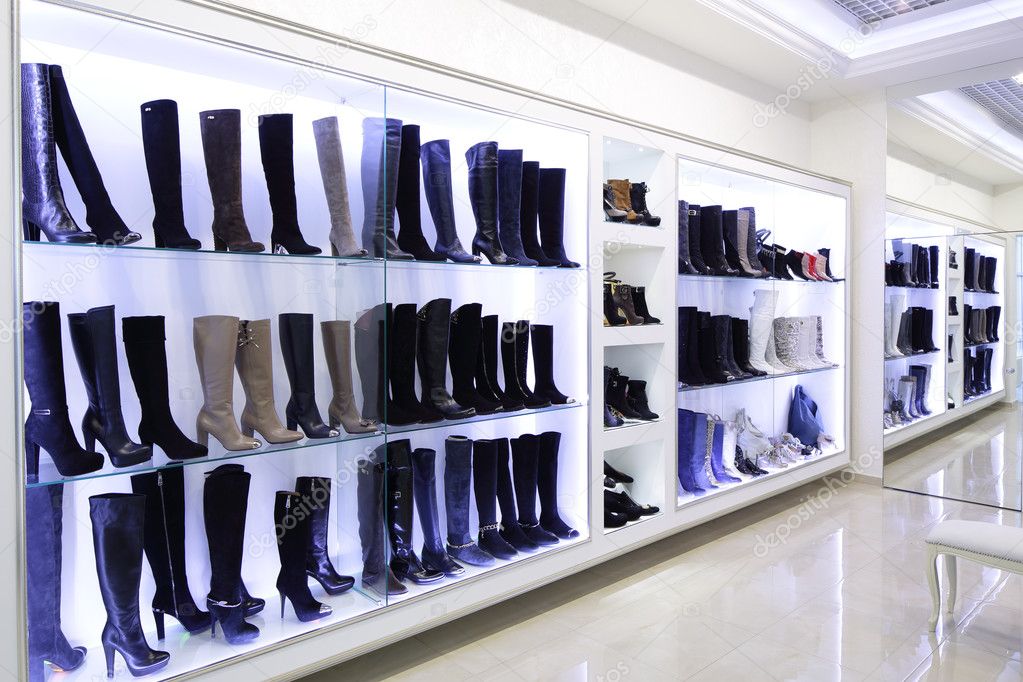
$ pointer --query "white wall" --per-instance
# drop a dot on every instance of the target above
(917, 179)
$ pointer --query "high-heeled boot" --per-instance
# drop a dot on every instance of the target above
(215, 338)
(712, 241)
(529, 216)
(292, 547)
(484, 483)
(685, 261)
(639, 303)
(486, 367)
(222, 148)
(144, 346)
(296, 330)
(612, 316)
(637, 195)
(403, 407)
(337, 346)
(748, 218)
(989, 275)
(42, 201)
(436, 161)
(95, 344)
(431, 356)
(100, 215)
(463, 349)
(525, 470)
(277, 151)
(315, 493)
(698, 252)
(164, 535)
(509, 196)
(689, 372)
(424, 489)
(117, 537)
(551, 215)
(717, 455)
(381, 151)
(483, 179)
(369, 358)
(410, 221)
(621, 294)
(543, 365)
(457, 478)
(225, 504)
(548, 445)
(514, 359)
(255, 368)
(510, 529)
(376, 573)
(48, 426)
(405, 565)
(335, 188)
(162, 146)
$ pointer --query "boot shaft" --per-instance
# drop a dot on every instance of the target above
(277, 151)
(337, 348)
(464, 345)
(509, 194)
(370, 491)
(117, 535)
(39, 175)
(381, 149)
(424, 487)
(399, 496)
(457, 476)
(254, 361)
(222, 149)
(543, 355)
(215, 338)
(43, 353)
(94, 342)
(482, 161)
(484, 480)
(225, 505)
(296, 332)
(291, 523)
(162, 147)
(524, 466)
(432, 349)
(145, 349)
(335, 185)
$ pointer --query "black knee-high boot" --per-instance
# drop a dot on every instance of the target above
(277, 150)
(404, 562)
(376, 573)
(547, 486)
(292, 528)
(315, 492)
(484, 483)
(162, 146)
(410, 217)
(525, 455)
(432, 358)
(463, 349)
(511, 531)
(296, 333)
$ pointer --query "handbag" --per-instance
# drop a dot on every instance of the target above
(804, 419)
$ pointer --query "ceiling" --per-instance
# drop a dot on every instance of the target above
(870, 11)
(1003, 98)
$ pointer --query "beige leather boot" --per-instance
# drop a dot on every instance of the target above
(623, 200)
(255, 367)
(337, 344)
(216, 341)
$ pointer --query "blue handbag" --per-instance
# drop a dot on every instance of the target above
(804, 419)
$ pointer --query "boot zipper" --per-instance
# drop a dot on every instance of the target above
(166, 540)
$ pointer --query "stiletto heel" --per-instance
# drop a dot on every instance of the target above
(108, 653)
(333, 251)
(32, 461)
(282, 605)
(213, 626)
(158, 617)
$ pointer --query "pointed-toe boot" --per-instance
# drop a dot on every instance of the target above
(216, 345)
(483, 183)
(410, 220)
(254, 361)
(277, 151)
(435, 158)
(296, 330)
(381, 151)
(424, 489)
(162, 146)
(292, 525)
(335, 188)
(315, 492)
(222, 148)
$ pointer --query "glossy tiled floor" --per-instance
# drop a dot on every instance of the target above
(842, 596)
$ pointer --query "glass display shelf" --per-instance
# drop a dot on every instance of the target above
(630, 524)
(686, 389)
(412, 428)
(907, 286)
(982, 343)
(728, 278)
(633, 423)
(971, 398)
(982, 293)
(913, 355)
(686, 499)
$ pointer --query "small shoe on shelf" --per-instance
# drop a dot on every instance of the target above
(611, 212)
(637, 194)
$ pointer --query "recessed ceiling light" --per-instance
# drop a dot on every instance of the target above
(1018, 78)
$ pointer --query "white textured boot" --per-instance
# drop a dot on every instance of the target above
(898, 306)
(761, 331)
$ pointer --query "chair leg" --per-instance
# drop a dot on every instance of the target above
(932, 583)
(950, 576)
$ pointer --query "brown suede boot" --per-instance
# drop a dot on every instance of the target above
(623, 202)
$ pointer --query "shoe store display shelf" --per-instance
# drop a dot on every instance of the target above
(683, 388)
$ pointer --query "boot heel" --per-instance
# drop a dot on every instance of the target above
(202, 437)
(158, 617)
(278, 249)
(159, 240)
(89, 440)
(333, 251)
(292, 424)
(248, 431)
(282, 605)
(219, 244)
(213, 626)
(108, 653)
(30, 230)
(32, 461)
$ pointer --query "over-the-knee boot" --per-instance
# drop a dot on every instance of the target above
(431, 356)
(277, 151)
(551, 214)
(44, 520)
(335, 187)
(296, 330)
(486, 367)
(482, 161)
(164, 491)
(529, 216)
(687, 425)
(543, 365)
(337, 346)
(424, 489)
(405, 565)
(222, 148)
(549, 442)
(511, 531)
(145, 347)
(292, 547)
(42, 200)
(95, 344)
(403, 407)
(100, 215)
(315, 492)
(381, 149)
(369, 358)
(457, 480)
(484, 483)
(376, 573)
(514, 359)
(162, 146)
(117, 537)
(225, 504)
(410, 220)
(255, 368)
(436, 160)
(509, 197)
(216, 344)
(525, 454)
(48, 426)
(463, 349)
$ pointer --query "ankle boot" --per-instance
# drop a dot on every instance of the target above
(621, 295)
(48, 426)
(509, 196)
(222, 148)
(337, 346)
(612, 316)
(315, 492)
(276, 149)
(44, 517)
(510, 529)
(403, 407)
(616, 386)
(483, 195)
(431, 357)
(639, 303)
(515, 360)
(42, 200)
(622, 192)
(543, 365)
(369, 358)
(376, 573)
(381, 151)
(117, 537)
(712, 241)
(694, 213)
(410, 220)
(216, 344)
(255, 369)
(486, 367)
(164, 536)
(525, 470)
(100, 215)
(424, 489)
(144, 346)
(635, 397)
(637, 193)
(296, 330)
(685, 262)
(551, 214)
(436, 161)
(794, 262)
(292, 547)
(405, 565)
(484, 483)
(335, 187)
(160, 141)
(611, 212)
(95, 344)
(225, 504)
(529, 216)
(463, 349)
(457, 475)
(687, 426)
